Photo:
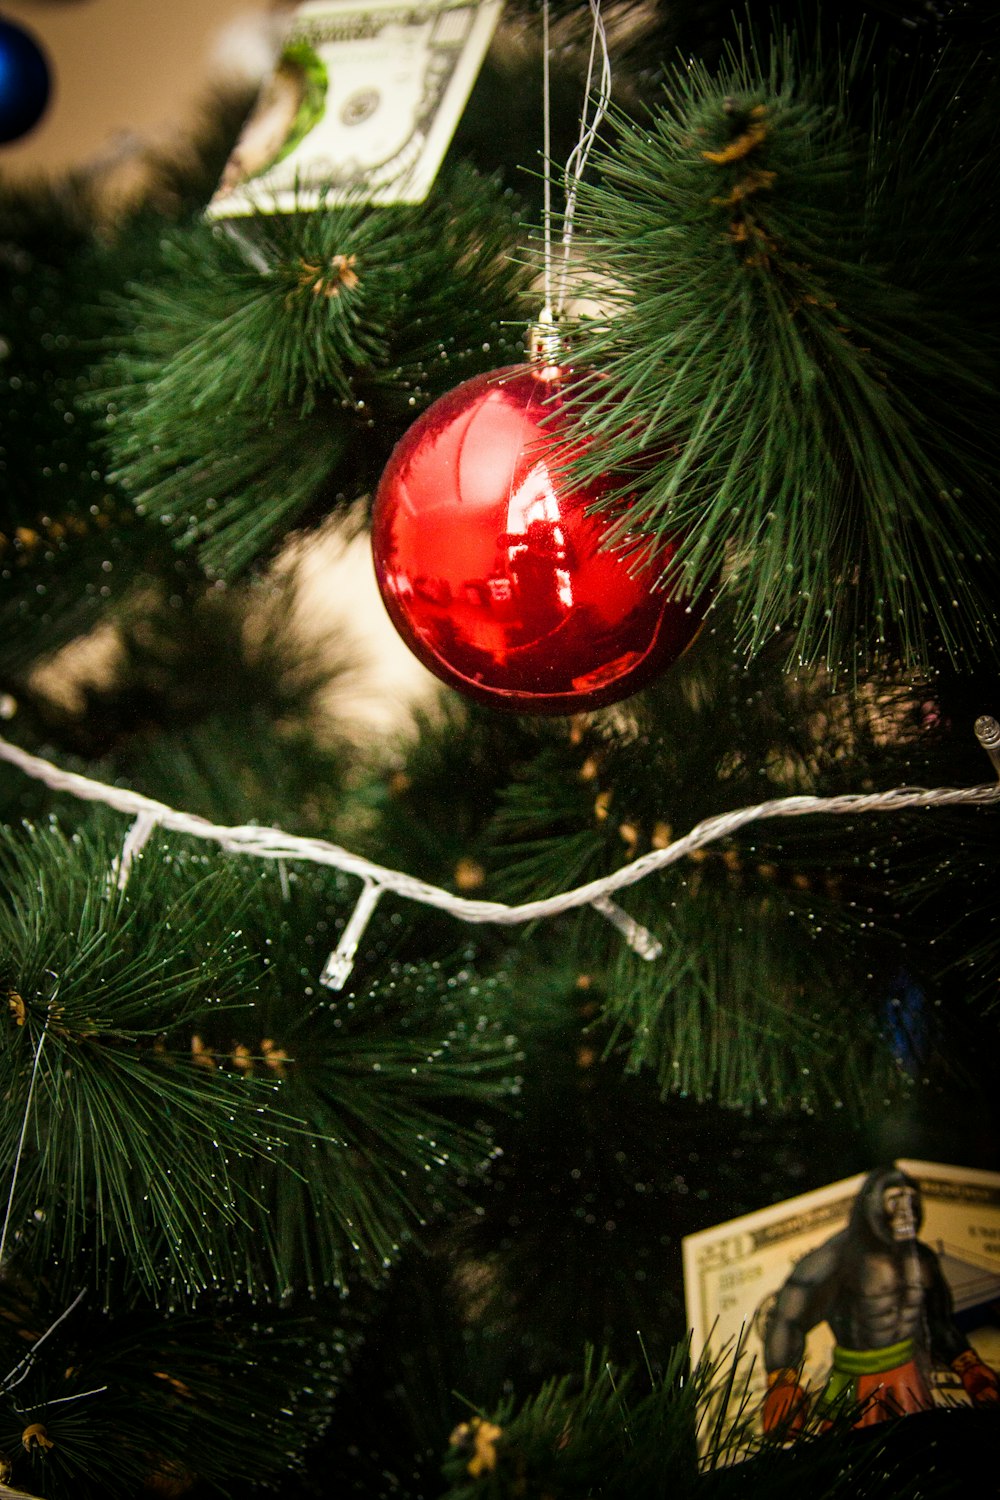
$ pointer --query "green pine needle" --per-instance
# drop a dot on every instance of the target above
(398, 1078)
(132, 1144)
(178, 1064)
(791, 384)
(128, 1398)
(271, 371)
(777, 955)
(622, 1434)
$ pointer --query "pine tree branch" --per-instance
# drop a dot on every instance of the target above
(794, 374)
(782, 945)
(617, 1433)
(126, 1397)
(168, 1130)
(270, 374)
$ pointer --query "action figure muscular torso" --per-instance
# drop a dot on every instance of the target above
(882, 1293)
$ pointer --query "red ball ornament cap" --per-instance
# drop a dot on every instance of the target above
(492, 568)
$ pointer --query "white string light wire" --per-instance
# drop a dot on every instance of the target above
(273, 843)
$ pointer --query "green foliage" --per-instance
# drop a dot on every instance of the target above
(598, 1180)
(573, 1431)
(797, 370)
(126, 1398)
(131, 1146)
(397, 1076)
(273, 369)
(167, 1131)
(754, 1015)
(237, 1168)
(772, 976)
(432, 808)
(615, 1433)
(201, 677)
(67, 539)
(215, 701)
(49, 250)
(42, 563)
(970, 943)
(70, 544)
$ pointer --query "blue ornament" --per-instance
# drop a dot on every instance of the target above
(25, 81)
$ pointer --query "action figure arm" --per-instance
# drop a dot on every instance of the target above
(803, 1301)
(947, 1342)
(801, 1304)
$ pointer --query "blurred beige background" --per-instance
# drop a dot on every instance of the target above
(133, 70)
(132, 76)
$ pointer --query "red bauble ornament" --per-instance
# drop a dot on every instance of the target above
(491, 568)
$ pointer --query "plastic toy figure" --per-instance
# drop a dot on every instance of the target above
(882, 1293)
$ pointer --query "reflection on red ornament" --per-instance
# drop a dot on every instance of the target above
(492, 569)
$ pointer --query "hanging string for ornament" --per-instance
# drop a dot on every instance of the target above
(554, 282)
(547, 313)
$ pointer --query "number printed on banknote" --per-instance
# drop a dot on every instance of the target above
(870, 1298)
(361, 105)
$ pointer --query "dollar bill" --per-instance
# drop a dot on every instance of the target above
(735, 1272)
(361, 105)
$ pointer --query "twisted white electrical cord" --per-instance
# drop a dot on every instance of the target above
(273, 843)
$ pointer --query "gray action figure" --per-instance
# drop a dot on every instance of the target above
(882, 1293)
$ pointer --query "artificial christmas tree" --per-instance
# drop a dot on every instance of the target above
(357, 1095)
